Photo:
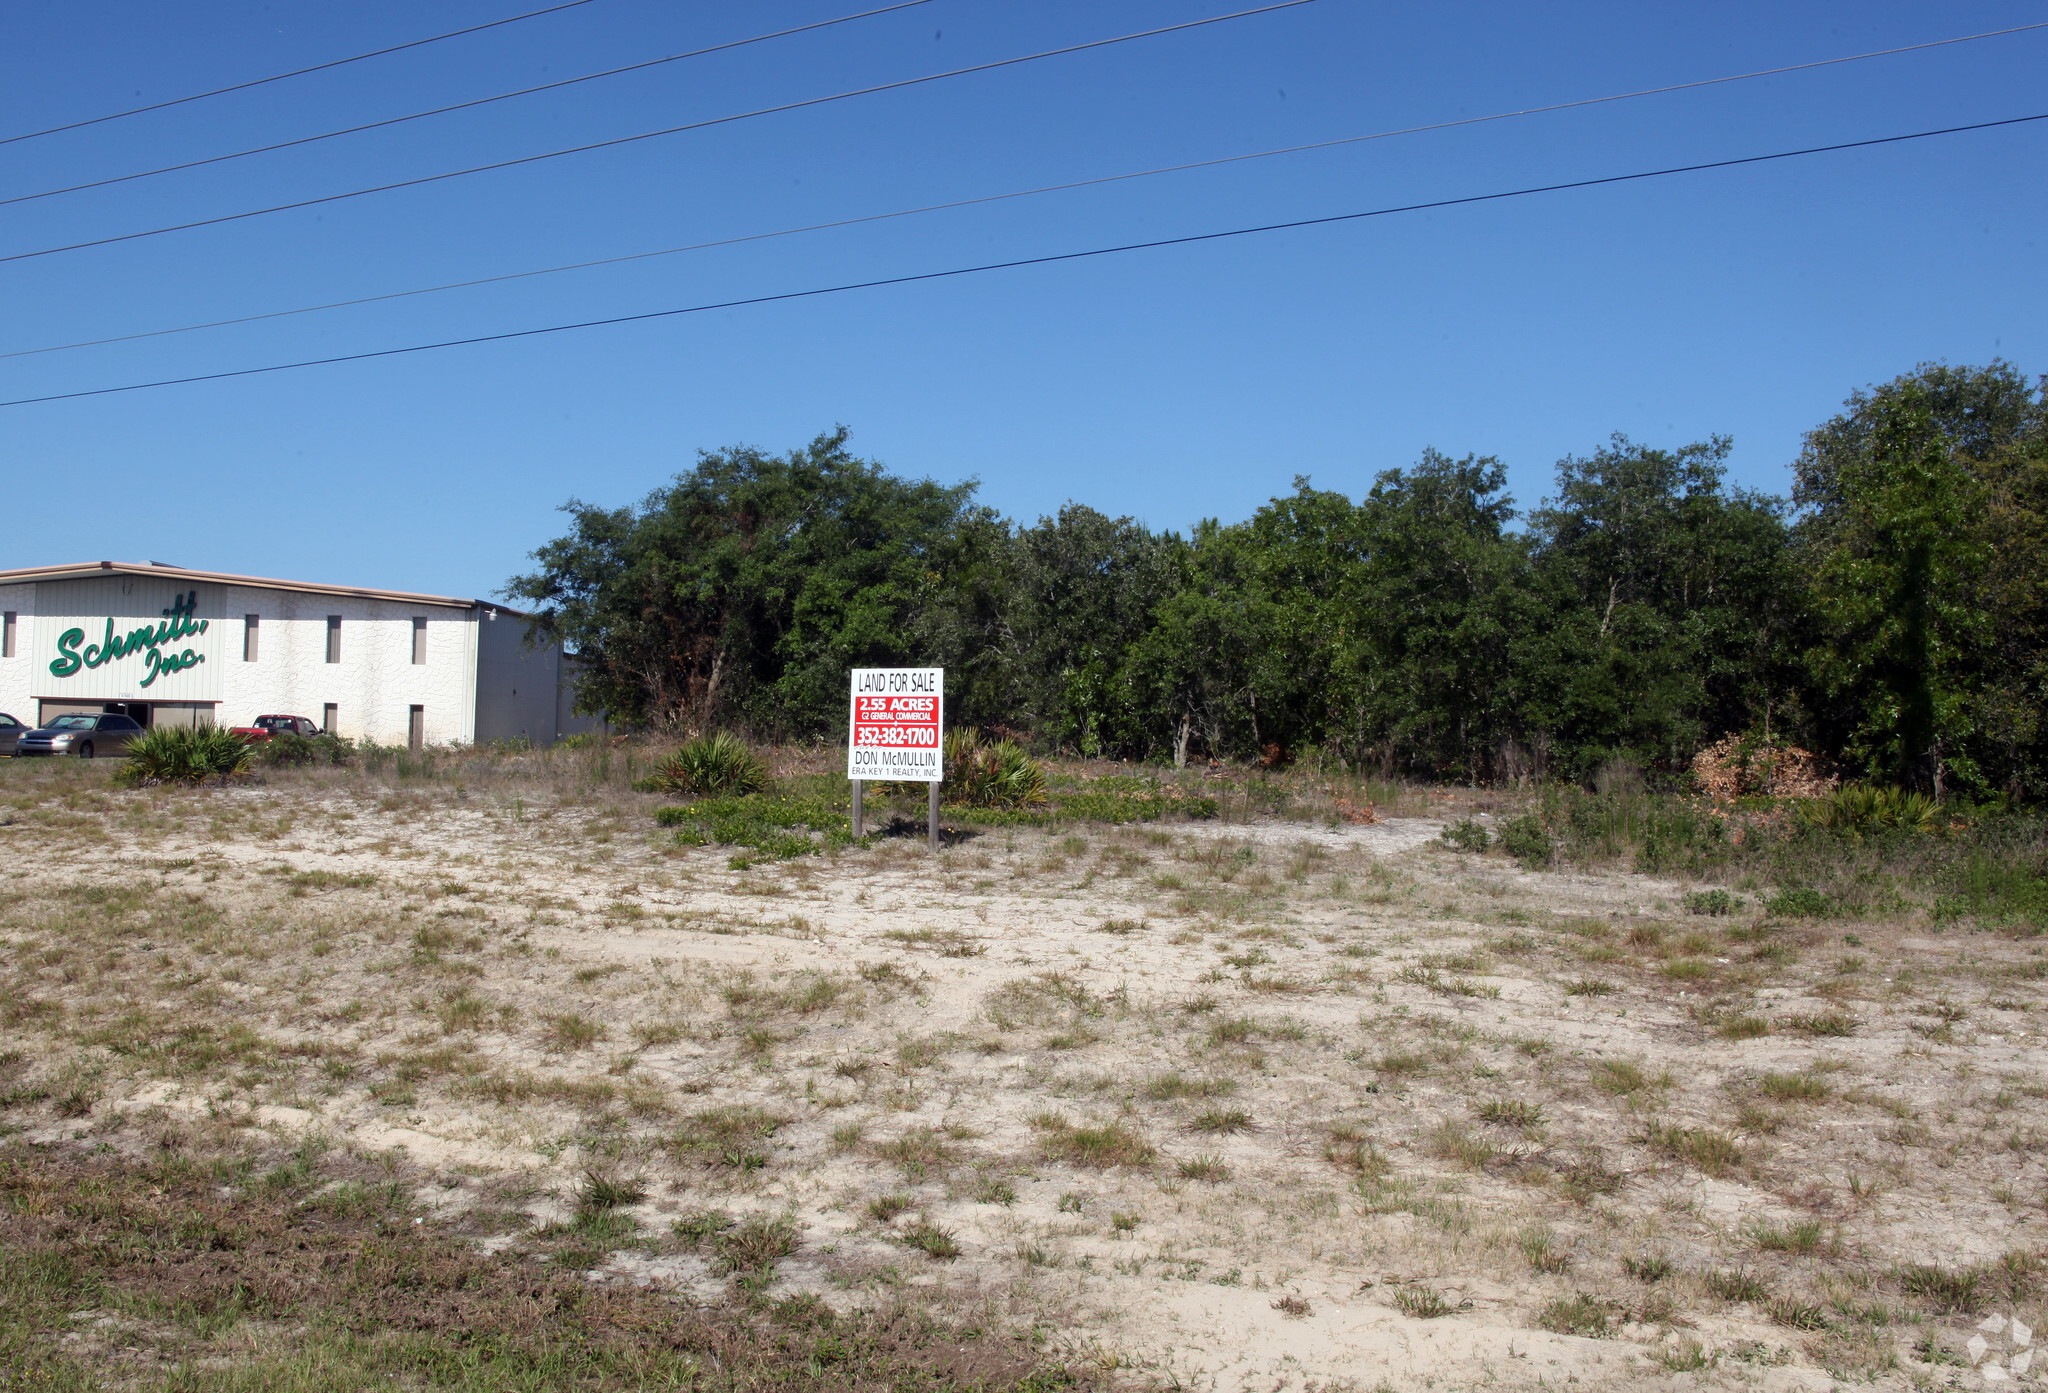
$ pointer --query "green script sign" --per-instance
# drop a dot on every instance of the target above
(149, 640)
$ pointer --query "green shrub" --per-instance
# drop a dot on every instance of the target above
(1527, 840)
(1998, 890)
(1467, 835)
(711, 765)
(1857, 809)
(771, 826)
(290, 750)
(991, 773)
(185, 755)
(1800, 902)
(1710, 902)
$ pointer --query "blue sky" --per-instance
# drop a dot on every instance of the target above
(1170, 385)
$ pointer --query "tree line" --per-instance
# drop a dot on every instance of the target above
(1889, 614)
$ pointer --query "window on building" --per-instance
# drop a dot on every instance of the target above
(333, 638)
(419, 640)
(330, 717)
(7, 622)
(250, 625)
(416, 729)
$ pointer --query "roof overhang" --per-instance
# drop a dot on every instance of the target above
(84, 569)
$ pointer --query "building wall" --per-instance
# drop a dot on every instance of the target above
(374, 684)
(16, 697)
(516, 686)
(479, 682)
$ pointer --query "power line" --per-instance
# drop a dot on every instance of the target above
(457, 106)
(1051, 259)
(650, 135)
(296, 72)
(1001, 197)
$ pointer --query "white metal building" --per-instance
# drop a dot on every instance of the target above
(169, 645)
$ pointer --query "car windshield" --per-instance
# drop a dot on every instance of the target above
(73, 723)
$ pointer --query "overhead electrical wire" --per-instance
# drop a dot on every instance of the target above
(1002, 197)
(296, 72)
(651, 135)
(458, 106)
(1051, 259)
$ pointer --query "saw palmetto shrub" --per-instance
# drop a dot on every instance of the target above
(991, 773)
(711, 765)
(185, 754)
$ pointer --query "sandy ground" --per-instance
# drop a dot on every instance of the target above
(1262, 1106)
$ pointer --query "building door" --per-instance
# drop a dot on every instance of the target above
(330, 717)
(416, 729)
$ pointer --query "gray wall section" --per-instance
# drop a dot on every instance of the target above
(567, 722)
(516, 686)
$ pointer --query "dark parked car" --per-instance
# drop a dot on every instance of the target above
(81, 735)
(10, 731)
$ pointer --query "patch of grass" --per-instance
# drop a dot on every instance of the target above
(992, 1189)
(932, 1240)
(730, 1135)
(1703, 1148)
(947, 943)
(246, 1288)
(1791, 1312)
(1715, 902)
(1827, 1024)
(1293, 1307)
(1539, 1246)
(772, 826)
(1588, 1178)
(917, 1151)
(1221, 1120)
(603, 1191)
(1111, 1144)
(1123, 927)
(1785, 1088)
(884, 1208)
(1737, 1284)
(1233, 1032)
(571, 1032)
(1518, 1113)
(1803, 1239)
(754, 1245)
(1947, 1290)
(1647, 1267)
(1687, 1356)
(1205, 1168)
(1162, 1088)
(1619, 1077)
(1578, 1314)
(1588, 986)
(1421, 1303)
(1743, 1028)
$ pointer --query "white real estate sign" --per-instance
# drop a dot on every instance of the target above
(898, 724)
